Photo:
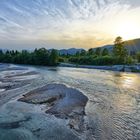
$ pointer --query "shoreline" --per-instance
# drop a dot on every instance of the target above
(121, 68)
(135, 68)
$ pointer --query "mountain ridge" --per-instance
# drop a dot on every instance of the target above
(132, 46)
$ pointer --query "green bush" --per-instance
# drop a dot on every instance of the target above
(61, 59)
(93, 60)
(100, 60)
(130, 60)
(138, 56)
(104, 60)
(38, 57)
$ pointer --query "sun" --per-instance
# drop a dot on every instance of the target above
(128, 30)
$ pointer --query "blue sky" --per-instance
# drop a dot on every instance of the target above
(26, 24)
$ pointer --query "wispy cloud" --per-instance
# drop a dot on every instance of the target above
(79, 22)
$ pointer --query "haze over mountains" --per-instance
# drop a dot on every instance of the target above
(132, 46)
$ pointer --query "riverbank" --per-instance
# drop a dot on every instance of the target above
(123, 68)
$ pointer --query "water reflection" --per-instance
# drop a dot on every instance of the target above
(124, 102)
(127, 80)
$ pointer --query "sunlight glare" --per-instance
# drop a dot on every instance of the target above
(128, 30)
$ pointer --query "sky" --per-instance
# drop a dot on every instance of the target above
(28, 24)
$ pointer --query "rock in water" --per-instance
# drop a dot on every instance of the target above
(64, 102)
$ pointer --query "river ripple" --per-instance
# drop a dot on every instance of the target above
(113, 109)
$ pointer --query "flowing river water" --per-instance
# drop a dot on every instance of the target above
(112, 111)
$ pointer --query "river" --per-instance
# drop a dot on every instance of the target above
(113, 108)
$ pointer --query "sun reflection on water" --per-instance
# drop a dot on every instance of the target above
(125, 99)
(127, 80)
(124, 102)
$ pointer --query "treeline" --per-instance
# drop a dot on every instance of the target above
(99, 56)
(37, 57)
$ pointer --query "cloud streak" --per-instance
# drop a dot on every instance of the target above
(76, 22)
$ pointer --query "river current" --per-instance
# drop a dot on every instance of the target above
(113, 108)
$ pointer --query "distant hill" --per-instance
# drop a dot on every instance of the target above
(132, 46)
(109, 47)
(4, 50)
(71, 51)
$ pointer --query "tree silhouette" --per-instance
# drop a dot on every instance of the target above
(105, 52)
(91, 51)
(98, 51)
(53, 57)
(119, 50)
(118, 40)
(38, 57)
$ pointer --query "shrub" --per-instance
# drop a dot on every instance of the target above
(138, 56)
(93, 60)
